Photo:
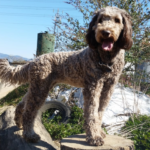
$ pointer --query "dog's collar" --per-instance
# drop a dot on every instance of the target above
(105, 66)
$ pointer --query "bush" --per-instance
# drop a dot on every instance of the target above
(138, 129)
(59, 130)
(14, 97)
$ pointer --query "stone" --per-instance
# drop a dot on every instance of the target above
(11, 135)
(112, 142)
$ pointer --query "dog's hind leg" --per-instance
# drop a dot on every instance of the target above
(19, 111)
(36, 97)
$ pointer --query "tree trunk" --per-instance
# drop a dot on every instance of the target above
(112, 142)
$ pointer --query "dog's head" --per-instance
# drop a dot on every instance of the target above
(110, 26)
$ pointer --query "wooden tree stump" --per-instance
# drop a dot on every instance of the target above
(112, 142)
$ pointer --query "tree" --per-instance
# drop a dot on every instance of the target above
(74, 34)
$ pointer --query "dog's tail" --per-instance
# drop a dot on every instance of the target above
(13, 75)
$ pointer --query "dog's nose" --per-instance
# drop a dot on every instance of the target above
(105, 33)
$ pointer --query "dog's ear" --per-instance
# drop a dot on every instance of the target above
(125, 40)
(90, 36)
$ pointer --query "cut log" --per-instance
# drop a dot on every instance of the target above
(112, 142)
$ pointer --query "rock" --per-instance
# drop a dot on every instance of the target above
(2, 109)
(77, 142)
(11, 135)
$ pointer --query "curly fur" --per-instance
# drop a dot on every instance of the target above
(93, 68)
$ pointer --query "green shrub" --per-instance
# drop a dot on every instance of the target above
(138, 130)
(60, 130)
(15, 96)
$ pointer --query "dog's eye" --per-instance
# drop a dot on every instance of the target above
(117, 20)
(100, 20)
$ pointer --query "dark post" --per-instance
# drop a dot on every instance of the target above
(45, 43)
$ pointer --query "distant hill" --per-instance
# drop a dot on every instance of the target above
(14, 58)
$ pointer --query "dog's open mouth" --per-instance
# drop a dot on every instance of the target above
(107, 44)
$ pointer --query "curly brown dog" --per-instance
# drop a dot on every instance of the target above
(97, 69)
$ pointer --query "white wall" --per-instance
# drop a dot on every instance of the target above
(5, 89)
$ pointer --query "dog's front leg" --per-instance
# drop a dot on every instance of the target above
(91, 104)
(105, 97)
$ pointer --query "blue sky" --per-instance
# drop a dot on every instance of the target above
(22, 20)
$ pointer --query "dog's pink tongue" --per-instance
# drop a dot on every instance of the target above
(107, 45)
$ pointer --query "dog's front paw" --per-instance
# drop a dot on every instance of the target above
(33, 138)
(97, 141)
